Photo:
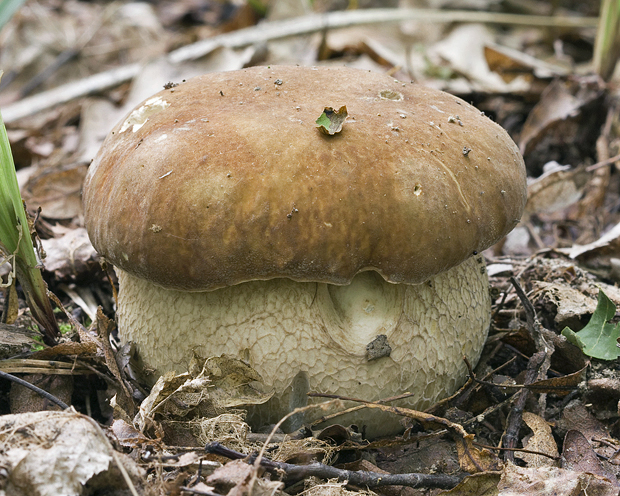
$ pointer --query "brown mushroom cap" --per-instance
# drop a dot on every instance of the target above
(226, 178)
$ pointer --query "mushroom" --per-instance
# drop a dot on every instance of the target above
(347, 264)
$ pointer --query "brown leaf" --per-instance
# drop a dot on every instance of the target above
(579, 456)
(556, 190)
(230, 475)
(474, 460)
(482, 484)
(57, 192)
(11, 304)
(67, 349)
(558, 385)
(541, 440)
(127, 435)
(71, 255)
(555, 114)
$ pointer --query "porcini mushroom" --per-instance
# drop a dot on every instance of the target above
(346, 264)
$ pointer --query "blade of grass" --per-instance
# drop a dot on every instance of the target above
(607, 44)
(7, 9)
(16, 243)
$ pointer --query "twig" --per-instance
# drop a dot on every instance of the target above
(459, 434)
(532, 387)
(293, 473)
(517, 450)
(272, 31)
(603, 163)
(36, 389)
(513, 423)
(331, 416)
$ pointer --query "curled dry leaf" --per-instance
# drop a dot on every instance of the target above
(331, 121)
(541, 440)
(607, 243)
(52, 453)
(570, 303)
(224, 382)
(556, 118)
(474, 460)
(510, 63)
(555, 190)
(482, 484)
(547, 480)
(71, 255)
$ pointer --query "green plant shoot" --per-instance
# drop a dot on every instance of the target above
(16, 243)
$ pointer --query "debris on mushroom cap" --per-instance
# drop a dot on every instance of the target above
(244, 186)
(331, 121)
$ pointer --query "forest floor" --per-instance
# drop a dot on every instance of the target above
(539, 416)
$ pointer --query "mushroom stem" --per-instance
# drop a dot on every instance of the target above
(370, 339)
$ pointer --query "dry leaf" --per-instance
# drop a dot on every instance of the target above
(71, 255)
(552, 481)
(50, 453)
(510, 63)
(331, 121)
(554, 116)
(541, 440)
(481, 484)
(474, 460)
(555, 190)
(578, 455)
(57, 192)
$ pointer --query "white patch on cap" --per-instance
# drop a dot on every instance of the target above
(138, 117)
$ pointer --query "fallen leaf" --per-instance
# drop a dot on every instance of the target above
(578, 455)
(599, 338)
(57, 192)
(555, 117)
(331, 121)
(71, 255)
(555, 190)
(541, 440)
(481, 484)
(35, 442)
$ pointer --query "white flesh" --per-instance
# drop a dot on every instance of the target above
(314, 335)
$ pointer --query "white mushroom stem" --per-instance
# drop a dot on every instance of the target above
(302, 336)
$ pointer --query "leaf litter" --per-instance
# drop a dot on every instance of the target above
(567, 250)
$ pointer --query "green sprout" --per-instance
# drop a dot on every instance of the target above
(17, 238)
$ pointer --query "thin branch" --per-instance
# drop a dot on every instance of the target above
(517, 450)
(293, 473)
(36, 389)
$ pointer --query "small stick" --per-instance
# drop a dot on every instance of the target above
(36, 389)
(293, 473)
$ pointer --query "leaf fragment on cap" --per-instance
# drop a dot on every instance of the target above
(331, 121)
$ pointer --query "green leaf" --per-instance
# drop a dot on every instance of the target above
(598, 339)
